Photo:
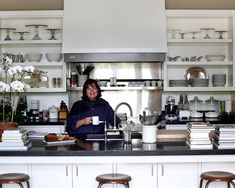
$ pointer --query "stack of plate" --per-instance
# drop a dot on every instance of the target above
(219, 80)
(199, 82)
(178, 83)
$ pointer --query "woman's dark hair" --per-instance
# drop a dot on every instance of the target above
(90, 82)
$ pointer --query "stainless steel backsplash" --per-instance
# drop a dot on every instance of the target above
(138, 99)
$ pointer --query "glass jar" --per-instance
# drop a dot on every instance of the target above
(212, 105)
(74, 79)
(196, 104)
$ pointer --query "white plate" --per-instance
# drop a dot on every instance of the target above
(62, 142)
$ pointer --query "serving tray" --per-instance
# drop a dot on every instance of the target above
(62, 142)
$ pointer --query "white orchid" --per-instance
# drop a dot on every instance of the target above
(13, 85)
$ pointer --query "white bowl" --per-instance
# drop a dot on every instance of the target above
(34, 57)
(215, 57)
(53, 56)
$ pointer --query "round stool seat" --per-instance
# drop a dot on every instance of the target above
(113, 179)
(212, 176)
(218, 176)
(17, 178)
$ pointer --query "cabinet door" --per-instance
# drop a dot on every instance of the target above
(178, 175)
(49, 175)
(143, 175)
(14, 168)
(84, 175)
(228, 167)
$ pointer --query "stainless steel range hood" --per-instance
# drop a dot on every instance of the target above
(111, 30)
(114, 57)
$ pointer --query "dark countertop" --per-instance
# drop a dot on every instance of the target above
(113, 148)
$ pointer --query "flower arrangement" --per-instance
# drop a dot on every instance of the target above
(12, 85)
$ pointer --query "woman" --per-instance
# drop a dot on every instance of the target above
(80, 117)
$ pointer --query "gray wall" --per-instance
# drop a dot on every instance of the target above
(170, 4)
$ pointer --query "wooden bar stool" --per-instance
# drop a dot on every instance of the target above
(113, 179)
(17, 178)
(212, 176)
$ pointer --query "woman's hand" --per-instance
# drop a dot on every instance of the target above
(85, 121)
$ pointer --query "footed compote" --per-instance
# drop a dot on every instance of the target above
(221, 33)
(53, 30)
(36, 26)
(8, 32)
(21, 33)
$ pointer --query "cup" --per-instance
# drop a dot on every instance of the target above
(159, 83)
(127, 136)
(147, 83)
(153, 83)
(95, 120)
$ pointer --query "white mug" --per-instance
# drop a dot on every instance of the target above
(95, 120)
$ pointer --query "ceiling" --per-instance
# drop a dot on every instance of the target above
(170, 4)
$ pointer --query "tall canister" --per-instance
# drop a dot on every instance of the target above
(149, 133)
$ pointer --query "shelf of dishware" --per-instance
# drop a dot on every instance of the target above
(200, 40)
(42, 64)
(160, 88)
(29, 42)
(199, 89)
(200, 63)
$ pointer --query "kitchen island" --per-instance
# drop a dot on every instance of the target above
(160, 165)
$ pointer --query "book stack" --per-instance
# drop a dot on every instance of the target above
(199, 135)
(225, 136)
(15, 140)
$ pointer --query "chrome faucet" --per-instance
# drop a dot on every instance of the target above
(115, 112)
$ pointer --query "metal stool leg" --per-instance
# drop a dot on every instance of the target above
(233, 184)
(99, 186)
(126, 185)
(207, 184)
(228, 184)
(28, 185)
(201, 181)
(20, 184)
(0, 185)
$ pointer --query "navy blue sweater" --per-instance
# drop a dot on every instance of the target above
(82, 109)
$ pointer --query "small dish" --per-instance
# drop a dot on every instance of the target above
(215, 57)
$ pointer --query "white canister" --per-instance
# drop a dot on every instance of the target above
(53, 112)
(149, 133)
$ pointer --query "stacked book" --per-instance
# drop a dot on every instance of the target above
(15, 140)
(199, 135)
(225, 136)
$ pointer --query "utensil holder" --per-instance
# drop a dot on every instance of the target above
(149, 133)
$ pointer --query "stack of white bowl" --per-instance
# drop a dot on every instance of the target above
(219, 80)
(199, 82)
(178, 83)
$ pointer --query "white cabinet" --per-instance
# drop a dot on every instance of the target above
(84, 174)
(143, 175)
(48, 175)
(178, 175)
(114, 26)
(187, 38)
(39, 23)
